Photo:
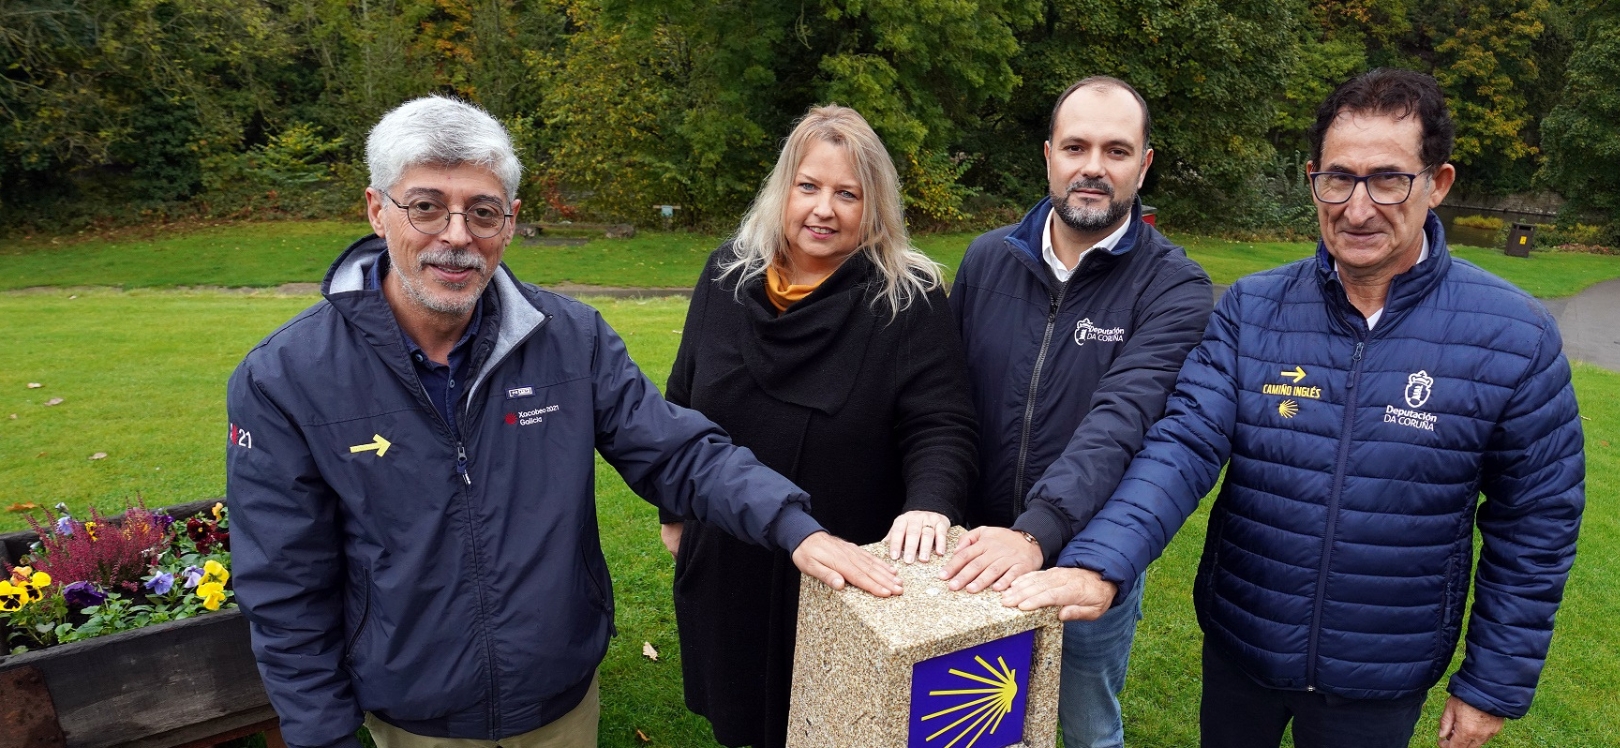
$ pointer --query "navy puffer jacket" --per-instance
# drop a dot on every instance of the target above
(1338, 552)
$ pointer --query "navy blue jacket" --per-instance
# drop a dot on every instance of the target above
(1338, 553)
(1066, 378)
(453, 584)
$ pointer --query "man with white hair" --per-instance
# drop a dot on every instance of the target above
(411, 473)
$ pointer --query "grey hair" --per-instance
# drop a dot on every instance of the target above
(761, 240)
(440, 131)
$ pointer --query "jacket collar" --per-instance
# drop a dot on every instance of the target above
(1406, 290)
(513, 314)
(1025, 238)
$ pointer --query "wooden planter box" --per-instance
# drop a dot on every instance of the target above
(190, 682)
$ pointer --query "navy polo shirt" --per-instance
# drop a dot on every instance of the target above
(442, 382)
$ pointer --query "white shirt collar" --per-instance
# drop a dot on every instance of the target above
(1423, 254)
(1107, 245)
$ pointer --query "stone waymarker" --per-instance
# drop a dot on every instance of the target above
(931, 668)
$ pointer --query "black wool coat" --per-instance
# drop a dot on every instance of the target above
(870, 415)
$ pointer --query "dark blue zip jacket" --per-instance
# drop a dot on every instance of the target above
(1066, 378)
(1338, 553)
(453, 584)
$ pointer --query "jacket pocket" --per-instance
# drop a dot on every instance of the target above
(1209, 562)
(1450, 597)
(601, 586)
(365, 615)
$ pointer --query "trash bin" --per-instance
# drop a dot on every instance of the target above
(1150, 215)
(1521, 239)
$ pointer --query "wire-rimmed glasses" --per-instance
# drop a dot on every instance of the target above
(484, 218)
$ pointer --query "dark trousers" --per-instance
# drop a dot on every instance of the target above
(1237, 712)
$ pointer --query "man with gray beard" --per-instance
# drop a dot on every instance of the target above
(1076, 321)
(411, 472)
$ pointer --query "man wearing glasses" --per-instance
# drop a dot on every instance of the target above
(411, 472)
(1361, 401)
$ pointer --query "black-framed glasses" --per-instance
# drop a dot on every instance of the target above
(485, 218)
(1385, 188)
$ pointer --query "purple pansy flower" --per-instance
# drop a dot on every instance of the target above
(64, 526)
(83, 595)
(160, 582)
(193, 575)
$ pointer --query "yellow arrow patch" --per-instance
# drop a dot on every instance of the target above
(378, 445)
(1297, 374)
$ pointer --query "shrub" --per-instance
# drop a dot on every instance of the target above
(1487, 223)
(107, 554)
(1554, 235)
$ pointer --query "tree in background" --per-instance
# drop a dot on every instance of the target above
(138, 91)
(1209, 71)
(1582, 134)
(140, 109)
(712, 87)
(1496, 60)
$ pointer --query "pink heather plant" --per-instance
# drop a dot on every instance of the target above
(110, 555)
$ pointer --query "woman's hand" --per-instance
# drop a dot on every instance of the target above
(915, 535)
(671, 535)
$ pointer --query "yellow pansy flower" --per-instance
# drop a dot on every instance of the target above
(39, 580)
(214, 571)
(212, 594)
(12, 597)
(218, 506)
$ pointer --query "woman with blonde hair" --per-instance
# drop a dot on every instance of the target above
(819, 338)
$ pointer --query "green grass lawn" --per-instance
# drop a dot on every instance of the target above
(142, 374)
(268, 254)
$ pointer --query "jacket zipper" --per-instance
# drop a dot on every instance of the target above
(461, 463)
(462, 471)
(1341, 463)
(478, 565)
(1029, 403)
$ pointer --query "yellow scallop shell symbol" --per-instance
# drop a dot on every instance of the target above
(1287, 409)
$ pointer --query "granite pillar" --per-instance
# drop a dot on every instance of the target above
(930, 668)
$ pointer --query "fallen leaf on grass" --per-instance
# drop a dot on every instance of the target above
(641, 736)
(53, 401)
(13, 416)
(648, 652)
(34, 385)
(99, 456)
(24, 506)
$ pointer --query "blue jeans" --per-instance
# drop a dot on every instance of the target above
(1095, 654)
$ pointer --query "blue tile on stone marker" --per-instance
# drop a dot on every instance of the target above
(974, 697)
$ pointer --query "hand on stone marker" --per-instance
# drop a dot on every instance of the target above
(917, 534)
(1082, 593)
(991, 557)
(671, 535)
(835, 561)
(1463, 726)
